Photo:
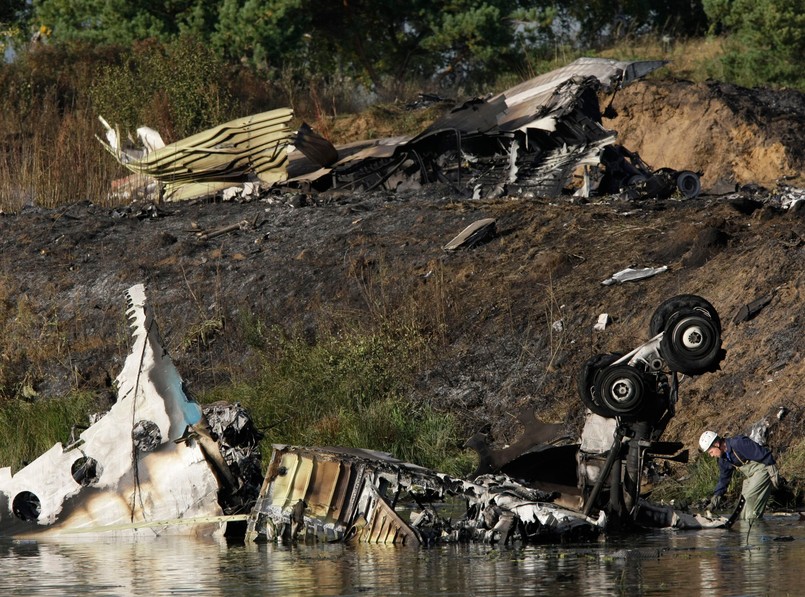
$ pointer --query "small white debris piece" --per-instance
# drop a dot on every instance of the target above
(150, 139)
(230, 193)
(245, 191)
(558, 326)
(603, 321)
(111, 134)
(631, 274)
(789, 196)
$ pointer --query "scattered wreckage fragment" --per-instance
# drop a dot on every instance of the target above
(530, 138)
(249, 149)
(624, 173)
(473, 235)
(631, 274)
(344, 494)
(156, 463)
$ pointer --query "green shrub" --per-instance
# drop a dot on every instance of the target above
(178, 88)
(697, 485)
(47, 126)
(349, 390)
(766, 40)
(30, 428)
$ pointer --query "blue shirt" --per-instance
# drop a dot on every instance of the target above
(740, 450)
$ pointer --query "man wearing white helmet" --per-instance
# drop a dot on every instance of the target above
(755, 462)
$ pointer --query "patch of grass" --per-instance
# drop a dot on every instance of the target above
(348, 389)
(28, 340)
(30, 428)
(179, 88)
(697, 484)
(203, 332)
(701, 475)
(252, 329)
(38, 165)
(695, 59)
(791, 463)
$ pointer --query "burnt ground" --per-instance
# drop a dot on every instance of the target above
(309, 262)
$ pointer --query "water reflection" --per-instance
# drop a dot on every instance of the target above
(749, 561)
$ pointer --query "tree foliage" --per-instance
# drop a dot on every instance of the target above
(382, 42)
(375, 40)
(124, 21)
(767, 39)
(12, 11)
(178, 88)
(597, 22)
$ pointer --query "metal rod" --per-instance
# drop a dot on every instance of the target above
(614, 452)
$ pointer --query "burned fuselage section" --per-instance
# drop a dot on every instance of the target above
(541, 138)
(151, 465)
(529, 140)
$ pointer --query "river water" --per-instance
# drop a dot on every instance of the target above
(766, 559)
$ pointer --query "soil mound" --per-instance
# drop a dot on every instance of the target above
(732, 134)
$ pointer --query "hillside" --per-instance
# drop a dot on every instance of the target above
(303, 261)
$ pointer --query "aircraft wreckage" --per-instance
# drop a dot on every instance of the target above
(158, 463)
(532, 138)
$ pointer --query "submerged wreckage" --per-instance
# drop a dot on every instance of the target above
(542, 488)
(159, 463)
(531, 138)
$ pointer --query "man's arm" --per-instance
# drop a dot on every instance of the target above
(725, 476)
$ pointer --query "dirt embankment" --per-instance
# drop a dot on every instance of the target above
(301, 262)
(731, 134)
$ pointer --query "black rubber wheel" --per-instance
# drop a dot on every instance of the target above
(621, 389)
(688, 184)
(691, 343)
(586, 382)
(682, 302)
(636, 179)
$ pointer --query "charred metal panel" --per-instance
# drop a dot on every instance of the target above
(386, 526)
(347, 493)
(610, 74)
(364, 496)
(530, 138)
(473, 235)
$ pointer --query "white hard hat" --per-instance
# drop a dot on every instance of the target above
(707, 439)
